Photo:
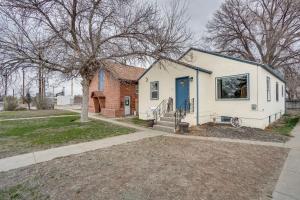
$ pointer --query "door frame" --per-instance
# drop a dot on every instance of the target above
(125, 114)
(183, 77)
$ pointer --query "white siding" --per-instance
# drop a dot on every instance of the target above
(236, 108)
(209, 107)
(165, 72)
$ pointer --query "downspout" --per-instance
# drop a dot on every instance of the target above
(197, 95)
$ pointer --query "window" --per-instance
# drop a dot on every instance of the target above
(282, 91)
(101, 80)
(277, 92)
(233, 87)
(225, 119)
(268, 89)
(154, 88)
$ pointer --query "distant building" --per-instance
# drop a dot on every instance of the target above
(113, 93)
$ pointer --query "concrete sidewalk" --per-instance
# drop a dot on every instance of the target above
(46, 155)
(288, 185)
(110, 120)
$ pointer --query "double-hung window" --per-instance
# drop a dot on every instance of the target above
(268, 89)
(154, 90)
(233, 87)
(101, 80)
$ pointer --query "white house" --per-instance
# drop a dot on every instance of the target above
(211, 88)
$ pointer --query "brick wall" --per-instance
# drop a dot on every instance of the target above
(114, 92)
(111, 92)
(129, 89)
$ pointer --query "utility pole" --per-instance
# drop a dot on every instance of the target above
(23, 89)
(72, 88)
(5, 82)
(42, 83)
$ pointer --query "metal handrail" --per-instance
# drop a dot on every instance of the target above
(183, 110)
(160, 110)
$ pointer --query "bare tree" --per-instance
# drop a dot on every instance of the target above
(79, 37)
(292, 77)
(266, 31)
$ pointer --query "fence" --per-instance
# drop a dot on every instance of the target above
(292, 105)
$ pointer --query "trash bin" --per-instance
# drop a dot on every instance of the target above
(183, 127)
(150, 123)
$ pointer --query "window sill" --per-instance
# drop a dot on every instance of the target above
(243, 99)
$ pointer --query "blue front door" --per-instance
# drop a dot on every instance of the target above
(182, 92)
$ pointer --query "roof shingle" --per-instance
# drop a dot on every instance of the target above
(125, 72)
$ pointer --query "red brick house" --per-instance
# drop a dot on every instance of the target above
(113, 93)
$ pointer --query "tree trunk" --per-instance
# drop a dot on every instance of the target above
(85, 100)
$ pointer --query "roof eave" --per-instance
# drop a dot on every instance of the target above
(179, 63)
(236, 59)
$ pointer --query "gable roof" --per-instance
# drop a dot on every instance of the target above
(125, 72)
(177, 62)
(274, 72)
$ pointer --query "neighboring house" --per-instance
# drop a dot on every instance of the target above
(113, 93)
(211, 88)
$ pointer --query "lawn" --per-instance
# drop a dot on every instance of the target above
(24, 136)
(33, 113)
(286, 124)
(135, 121)
(154, 168)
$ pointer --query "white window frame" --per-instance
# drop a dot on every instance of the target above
(151, 90)
(268, 82)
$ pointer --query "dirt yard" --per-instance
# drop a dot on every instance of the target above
(244, 133)
(155, 168)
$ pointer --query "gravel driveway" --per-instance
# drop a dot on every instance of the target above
(155, 168)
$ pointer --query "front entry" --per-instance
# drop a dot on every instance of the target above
(182, 92)
(127, 103)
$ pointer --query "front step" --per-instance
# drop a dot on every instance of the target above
(166, 123)
(164, 128)
(170, 114)
(167, 119)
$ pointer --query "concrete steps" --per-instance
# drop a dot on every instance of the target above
(166, 123)
(163, 128)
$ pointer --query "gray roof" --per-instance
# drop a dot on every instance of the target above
(266, 67)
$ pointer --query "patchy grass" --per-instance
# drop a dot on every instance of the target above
(21, 191)
(135, 121)
(158, 168)
(33, 113)
(286, 124)
(25, 136)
